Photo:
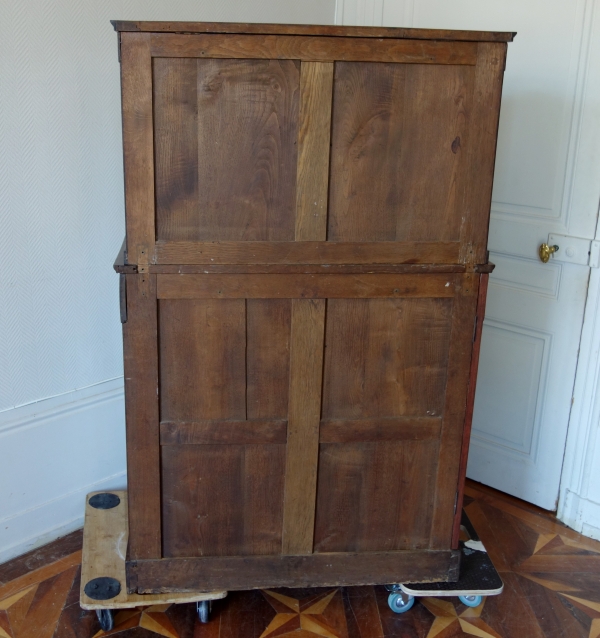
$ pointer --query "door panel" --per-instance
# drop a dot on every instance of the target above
(542, 185)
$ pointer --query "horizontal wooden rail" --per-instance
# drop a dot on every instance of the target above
(253, 432)
(398, 429)
(305, 252)
(303, 286)
(314, 570)
(312, 48)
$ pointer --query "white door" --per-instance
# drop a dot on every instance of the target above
(546, 182)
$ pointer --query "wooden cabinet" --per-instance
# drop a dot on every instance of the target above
(307, 216)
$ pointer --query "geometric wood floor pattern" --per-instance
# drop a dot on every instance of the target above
(551, 590)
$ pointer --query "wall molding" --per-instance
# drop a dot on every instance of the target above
(52, 453)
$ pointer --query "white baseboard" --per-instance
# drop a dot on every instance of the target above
(52, 453)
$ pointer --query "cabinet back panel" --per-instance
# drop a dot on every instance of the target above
(398, 150)
(225, 148)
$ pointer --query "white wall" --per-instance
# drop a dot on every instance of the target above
(62, 223)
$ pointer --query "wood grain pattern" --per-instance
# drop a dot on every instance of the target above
(390, 429)
(306, 29)
(396, 155)
(175, 86)
(468, 422)
(222, 500)
(318, 570)
(375, 496)
(202, 359)
(306, 366)
(386, 357)
(138, 149)
(316, 85)
(252, 432)
(268, 328)
(226, 149)
(478, 180)
(307, 252)
(303, 286)
(350, 269)
(140, 364)
(314, 49)
(459, 361)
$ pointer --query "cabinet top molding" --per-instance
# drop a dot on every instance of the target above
(305, 29)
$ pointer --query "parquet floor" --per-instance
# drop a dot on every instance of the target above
(551, 576)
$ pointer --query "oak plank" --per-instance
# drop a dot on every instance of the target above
(318, 286)
(483, 135)
(222, 500)
(317, 570)
(138, 145)
(459, 361)
(140, 351)
(268, 328)
(175, 87)
(307, 252)
(306, 366)
(386, 429)
(202, 359)
(306, 29)
(313, 48)
(251, 432)
(316, 86)
(357, 269)
(464, 454)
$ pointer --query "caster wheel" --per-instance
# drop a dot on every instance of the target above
(393, 588)
(106, 619)
(203, 607)
(400, 602)
(470, 601)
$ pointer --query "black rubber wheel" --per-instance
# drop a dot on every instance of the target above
(203, 607)
(106, 619)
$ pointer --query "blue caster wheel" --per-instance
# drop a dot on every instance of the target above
(203, 609)
(400, 602)
(470, 601)
(106, 619)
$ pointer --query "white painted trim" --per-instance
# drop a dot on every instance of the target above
(579, 498)
(52, 453)
(53, 519)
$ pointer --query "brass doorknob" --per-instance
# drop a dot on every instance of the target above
(545, 251)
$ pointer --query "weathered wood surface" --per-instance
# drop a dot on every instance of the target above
(318, 570)
(302, 286)
(140, 351)
(307, 252)
(301, 29)
(312, 49)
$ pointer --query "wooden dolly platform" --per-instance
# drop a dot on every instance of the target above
(103, 583)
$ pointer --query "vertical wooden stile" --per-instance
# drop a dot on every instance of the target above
(140, 339)
(483, 132)
(316, 85)
(138, 146)
(459, 360)
(308, 316)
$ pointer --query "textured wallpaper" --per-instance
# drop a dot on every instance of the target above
(61, 182)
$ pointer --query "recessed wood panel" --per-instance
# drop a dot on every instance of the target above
(268, 357)
(375, 496)
(385, 357)
(222, 500)
(225, 137)
(202, 345)
(398, 149)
